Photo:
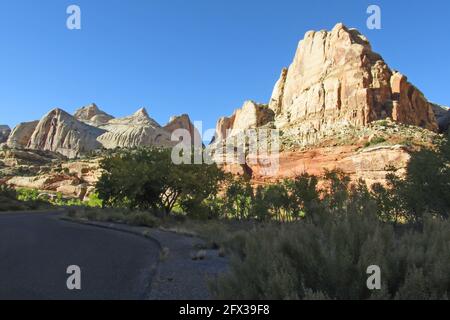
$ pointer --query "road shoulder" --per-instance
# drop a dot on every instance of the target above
(183, 271)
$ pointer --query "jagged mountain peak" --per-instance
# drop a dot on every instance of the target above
(92, 115)
(141, 113)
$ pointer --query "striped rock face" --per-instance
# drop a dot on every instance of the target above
(91, 129)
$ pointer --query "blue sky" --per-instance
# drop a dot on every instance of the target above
(201, 57)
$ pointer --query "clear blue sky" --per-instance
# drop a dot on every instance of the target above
(202, 57)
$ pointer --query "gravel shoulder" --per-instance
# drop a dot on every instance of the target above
(178, 275)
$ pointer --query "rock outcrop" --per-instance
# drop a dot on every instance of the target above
(92, 115)
(369, 164)
(21, 135)
(134, 131)
(60, 132)
(324, 105)
(336, 79)
(185, 123)
(442, 114)
(4, 133)
(250, 116)
(49, 172)
(91, 129)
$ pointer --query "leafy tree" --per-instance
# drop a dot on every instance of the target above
(239, 198)
(277, 197)
(146, 178)
(336, 192)
(360, 199)
(303, 194)
(197, 184)
(425, 189)
(389, 205)
(260, 207)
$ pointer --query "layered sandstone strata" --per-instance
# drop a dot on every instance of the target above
(370, 164)
(136, 130)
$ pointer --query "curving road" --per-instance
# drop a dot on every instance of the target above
(36, 249)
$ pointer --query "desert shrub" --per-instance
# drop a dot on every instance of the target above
(328, 259)
(92, 215)
(375, 141)
(8, 204)
(7, 192)
(114, 215)
(8, 200)
(142, 219)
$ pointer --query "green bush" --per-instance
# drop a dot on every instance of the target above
(94, 201)
(375, 141)
(12, 200)
(27, 194)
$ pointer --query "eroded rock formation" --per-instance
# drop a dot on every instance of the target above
(336, 79)
(251, 116)
(369, 164)
(134, 131)
(185, 123)
(60, 132)
(442, 114)
(21, 135)
(4, 133)
(93, 129)
(335, 84)
(92, 115)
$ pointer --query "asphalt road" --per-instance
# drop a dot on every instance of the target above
(36, 249)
